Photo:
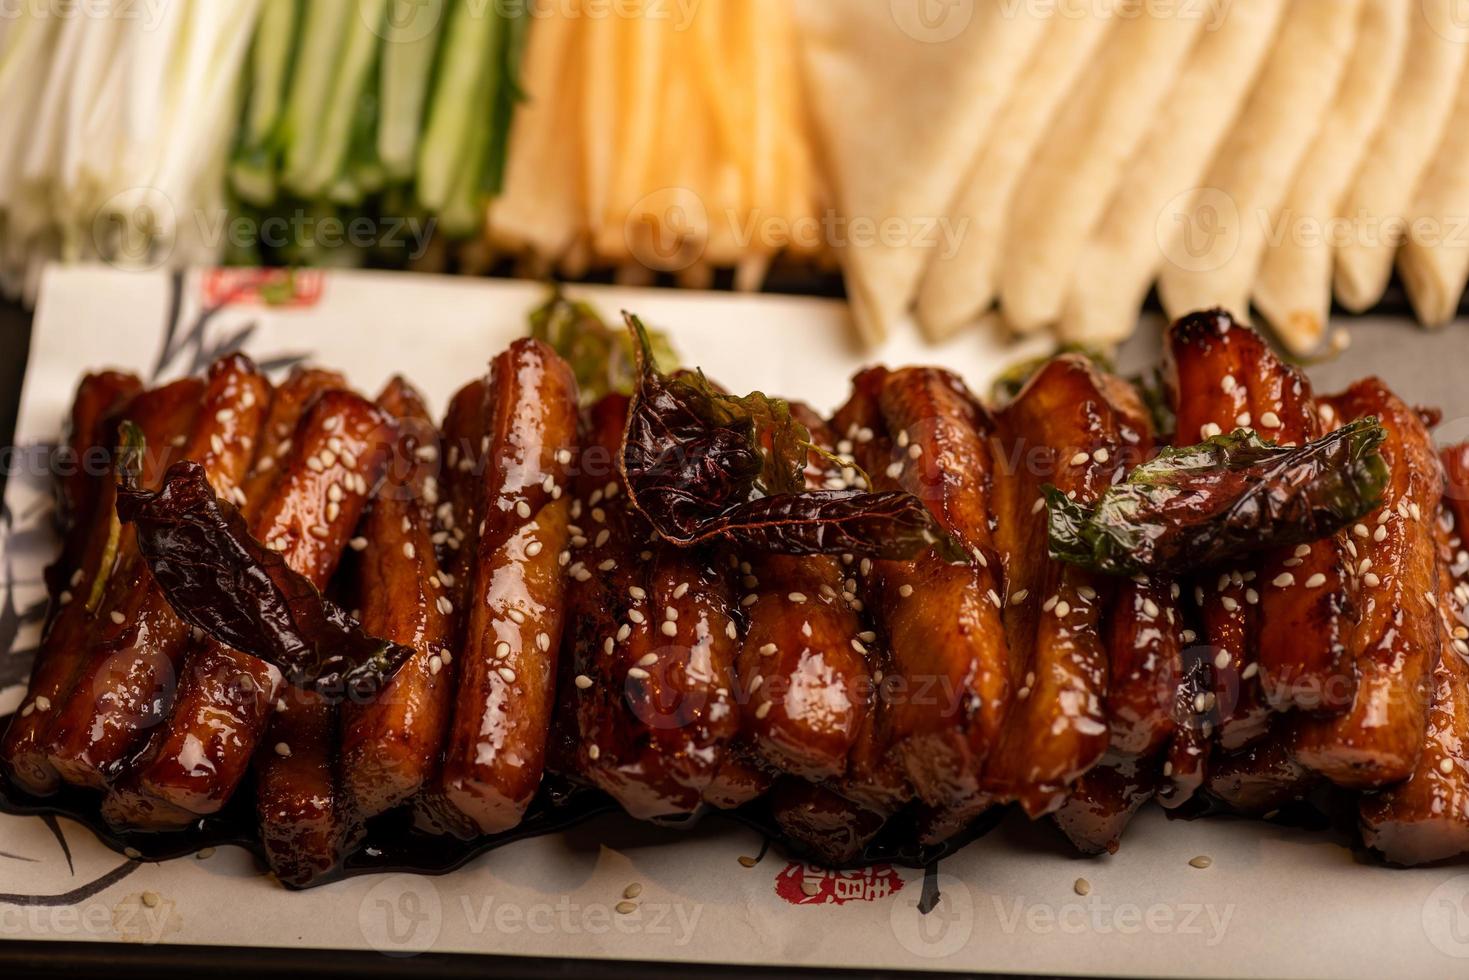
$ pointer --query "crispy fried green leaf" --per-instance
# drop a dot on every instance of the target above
(1196, 506)
(1013, 379)
(702, 464)
(602, 359)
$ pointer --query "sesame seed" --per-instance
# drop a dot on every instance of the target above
(894, 470)
(1250, 671)
(1082, 886)
(320, 531)
(1445, 765)
(523, 509)
(1252, 597)
(1150, 609)
(763, 710)
(1242, 420)
(623, 632)
(915, 451)
(1229, 604)
(1201, 862)
(602, 537)
(1209, 430)
(1080, 459)
(409, 551)
(1221, 660)
(533, 549)
(506, 674)
(283, 750)
(563, 456)
(1316, 581)
(1380, 534)
(1360, 530)
(1302, 550)
(669, 628)
(730, 630)
(117, 617)
(1063, 609)
(636, 615)
(905, 591)
(445, 606)
(637, 673)
(543, 642)
(1017, 598)
(1038, 506)
(608, 646)
(797, 597)
(593, 752)
(1270, 420)
(1371, 580)
(1101, 456)
(216, 444)
(43, 703)
(681, 591)
(583, 681)
(768, 649)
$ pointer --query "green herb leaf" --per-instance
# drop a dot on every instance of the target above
(602, 359)
(1197, 506)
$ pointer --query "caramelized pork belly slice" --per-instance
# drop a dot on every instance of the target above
(82, 465)
(391, 744)
(126, 683)
(1076, 428)
(457, 520)
(949, 682)
(1185, 760)
(1426, 818)
(1394, 596)
(1144, 636)
(1220, 377)
(1261, 778)
(1103, 801)
(226, 699)
(495, 751)
(290, 402)
(652, 642)
(801, 667)
(302, 824)
(85, 508)
(739, 779)
(821, 822)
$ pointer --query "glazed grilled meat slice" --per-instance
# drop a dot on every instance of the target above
(85, 513)
(495, 750)
(1102, 802)
(1144, 635)
(652, 647)
(1211, 366)
(292, 398)
(83, 465)
(803, 664)
(1222, 374)
(1260, 778)
(1426, 818)
(921, 431)
(1395, 585)
(391, 745)
(739, 779)
(127, 681)
(463, 452)
(1078, 429)
(226, 699)
(822, 822)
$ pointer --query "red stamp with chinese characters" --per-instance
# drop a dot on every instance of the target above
(809, 884)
